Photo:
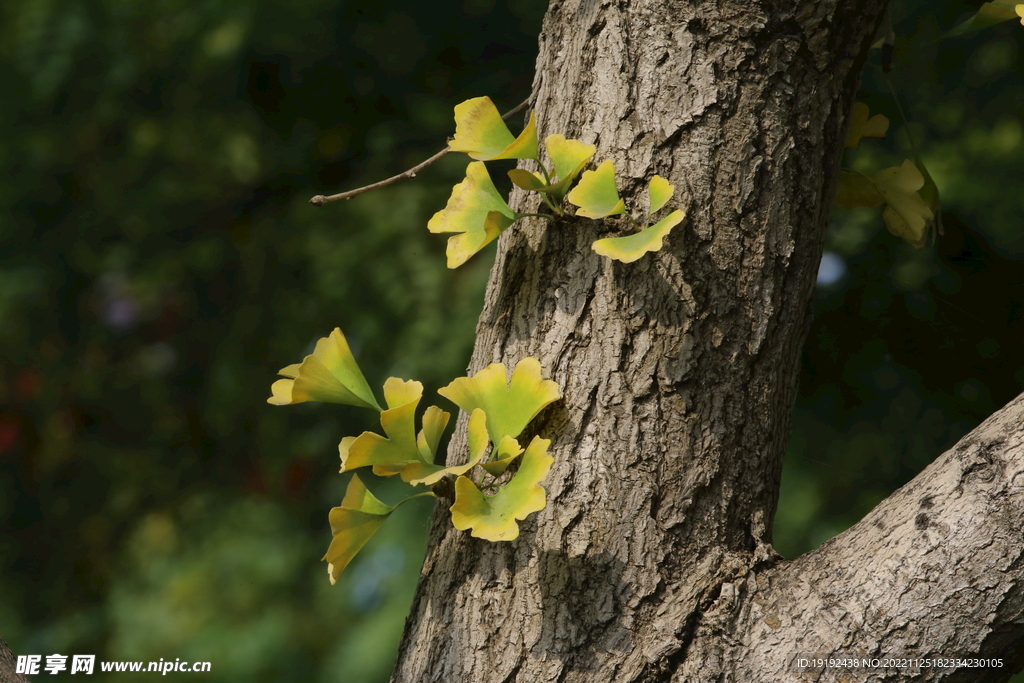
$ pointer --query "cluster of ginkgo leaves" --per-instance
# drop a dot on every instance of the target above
(478, 214)
(910, 195)
(499, 407)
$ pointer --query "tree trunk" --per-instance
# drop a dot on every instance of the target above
(652, 560)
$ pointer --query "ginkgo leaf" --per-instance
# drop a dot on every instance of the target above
(358, 518)
(659, 191)
(857, 190)
(493, 518)
(352, 525)
(429, 438)
(388, 455)
(569, 157)
(531, 182)
(989, 14)
(509, 405)
(476, 211)
(596, 195)
(863, 127)
(329, 374)
(631, 247)
(429, 473)
(906, 215)
(481, 133)
(507, 451)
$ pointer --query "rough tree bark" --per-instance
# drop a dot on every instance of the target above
(652, 561)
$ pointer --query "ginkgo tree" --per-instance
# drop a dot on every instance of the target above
(674, 348)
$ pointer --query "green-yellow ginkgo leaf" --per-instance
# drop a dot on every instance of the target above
(388, 455)
(507, 451)
(354, 523)
(509, 405)
(329, 374)
(429, 438)
(569, 157)
(659, 191)
(989, 14)
(476, 211)
(857, 190)
(629, 248)
(493, 518)
(863, 127)
(531, 182)
(481, 133)
(428, 473)
(906, 214)
(595, 194)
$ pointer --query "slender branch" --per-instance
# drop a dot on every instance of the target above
(320, 199)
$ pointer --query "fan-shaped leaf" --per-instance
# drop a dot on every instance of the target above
(631, 247)
(508, 451)
(493, 518)
(863, 127)
(353, 524)
(659, 191)
(329, 374)
(509, 405)
(476, 210)
(906, 215)
(531, 182)
(857, 190)
(596, 194)
(989, 14)
(482, 134)
(429, 473)
(389, 455)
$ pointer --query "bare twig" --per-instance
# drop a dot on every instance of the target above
(320, 199)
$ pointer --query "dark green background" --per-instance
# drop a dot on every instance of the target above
(159, 263)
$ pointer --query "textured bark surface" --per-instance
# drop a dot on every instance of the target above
(678, 371)
(8, 665)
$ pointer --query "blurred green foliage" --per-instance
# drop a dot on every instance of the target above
(159, 263)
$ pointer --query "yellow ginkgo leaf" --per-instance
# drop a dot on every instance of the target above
(863, 127)
(509, 404)
(493, 518)
(857, 190)
(907, 215)
(354, 522)
(481, 133)
(328, 374)
(659, 191)
(629, 248)
(476, 211)
(388, 455)
(428, 473)
(596, 195)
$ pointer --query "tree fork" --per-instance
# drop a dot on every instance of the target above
(652, 561)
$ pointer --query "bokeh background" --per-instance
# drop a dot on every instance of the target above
(159, 263)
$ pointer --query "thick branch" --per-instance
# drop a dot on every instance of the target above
(935, 571)
(7, 665)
